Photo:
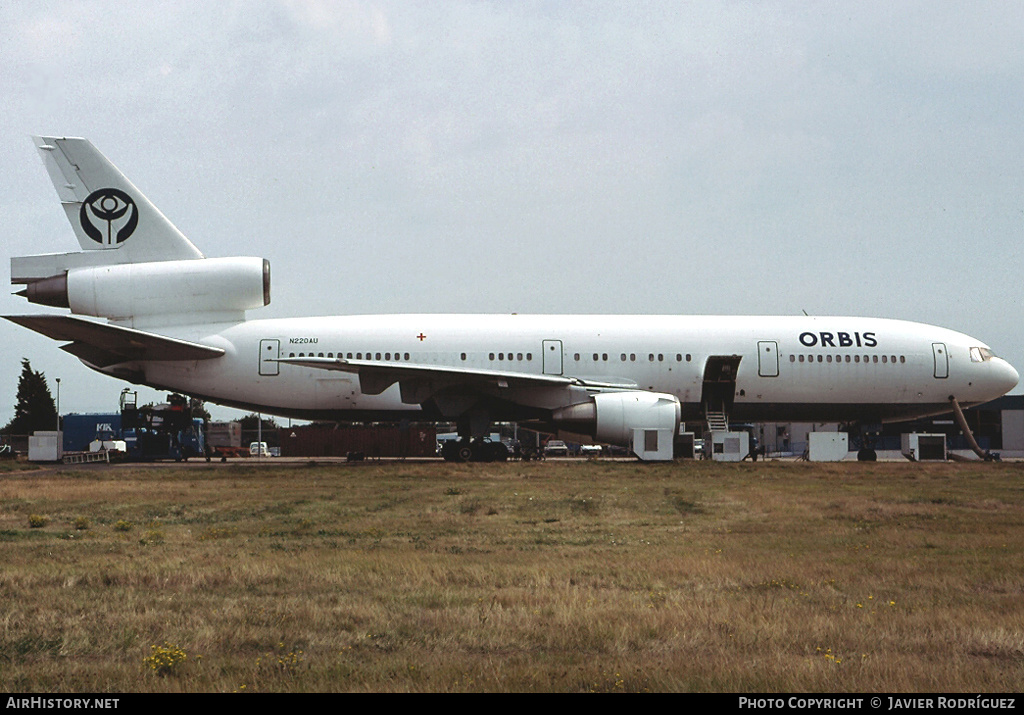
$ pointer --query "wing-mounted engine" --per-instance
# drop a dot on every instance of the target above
(645, 422)
(206, 289)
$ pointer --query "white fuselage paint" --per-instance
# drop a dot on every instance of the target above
(790, 368)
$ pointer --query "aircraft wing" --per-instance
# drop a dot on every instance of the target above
(101, 344)
(418, 381)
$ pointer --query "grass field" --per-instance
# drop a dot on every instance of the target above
(552, 576)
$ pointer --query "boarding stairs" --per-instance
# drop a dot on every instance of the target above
(717, 421)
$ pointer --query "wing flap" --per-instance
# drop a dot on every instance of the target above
(375, 377)
(421, 381)
(102, 345)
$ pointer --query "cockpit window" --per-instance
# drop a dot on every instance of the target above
(981, 355)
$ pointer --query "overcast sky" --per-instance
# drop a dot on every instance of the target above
(556, 157)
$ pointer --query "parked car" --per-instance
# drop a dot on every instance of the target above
(590, 450)
(556, 448)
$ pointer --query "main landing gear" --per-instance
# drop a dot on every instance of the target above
(867, 436)
(474, 450)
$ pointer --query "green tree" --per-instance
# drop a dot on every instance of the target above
(251, 428)
(252, 422)
(35, 410)
(199, 410)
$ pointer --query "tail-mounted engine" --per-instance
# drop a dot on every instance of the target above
(204, 289)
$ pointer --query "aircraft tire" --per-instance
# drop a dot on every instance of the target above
(867, 455)
(499, 452)
(450, 451)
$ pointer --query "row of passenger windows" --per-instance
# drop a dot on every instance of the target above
(598, 357)
(623, 357)
(506, 356)
(651, 357)
(848, 358)
(357, 356)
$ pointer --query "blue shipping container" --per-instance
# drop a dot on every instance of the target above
(80, 430)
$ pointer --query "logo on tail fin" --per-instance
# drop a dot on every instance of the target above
(114, 211)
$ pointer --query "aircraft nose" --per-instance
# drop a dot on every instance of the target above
(1005, 376)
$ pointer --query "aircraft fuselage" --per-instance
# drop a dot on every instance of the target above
(761, 368)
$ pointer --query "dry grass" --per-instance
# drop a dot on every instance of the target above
(558, 576)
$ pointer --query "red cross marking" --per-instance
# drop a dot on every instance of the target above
(422, 337)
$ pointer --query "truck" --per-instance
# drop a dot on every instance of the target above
(164, 431)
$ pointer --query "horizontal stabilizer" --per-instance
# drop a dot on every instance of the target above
(104, 345)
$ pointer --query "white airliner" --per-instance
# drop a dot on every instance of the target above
(176, 320)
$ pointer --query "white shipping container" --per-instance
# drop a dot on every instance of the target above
(729, 446)
(44, 447)
(828, 446)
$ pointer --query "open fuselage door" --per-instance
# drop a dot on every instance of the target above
(719, 388)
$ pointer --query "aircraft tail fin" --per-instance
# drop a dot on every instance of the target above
(135, 266)
(107, 212)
